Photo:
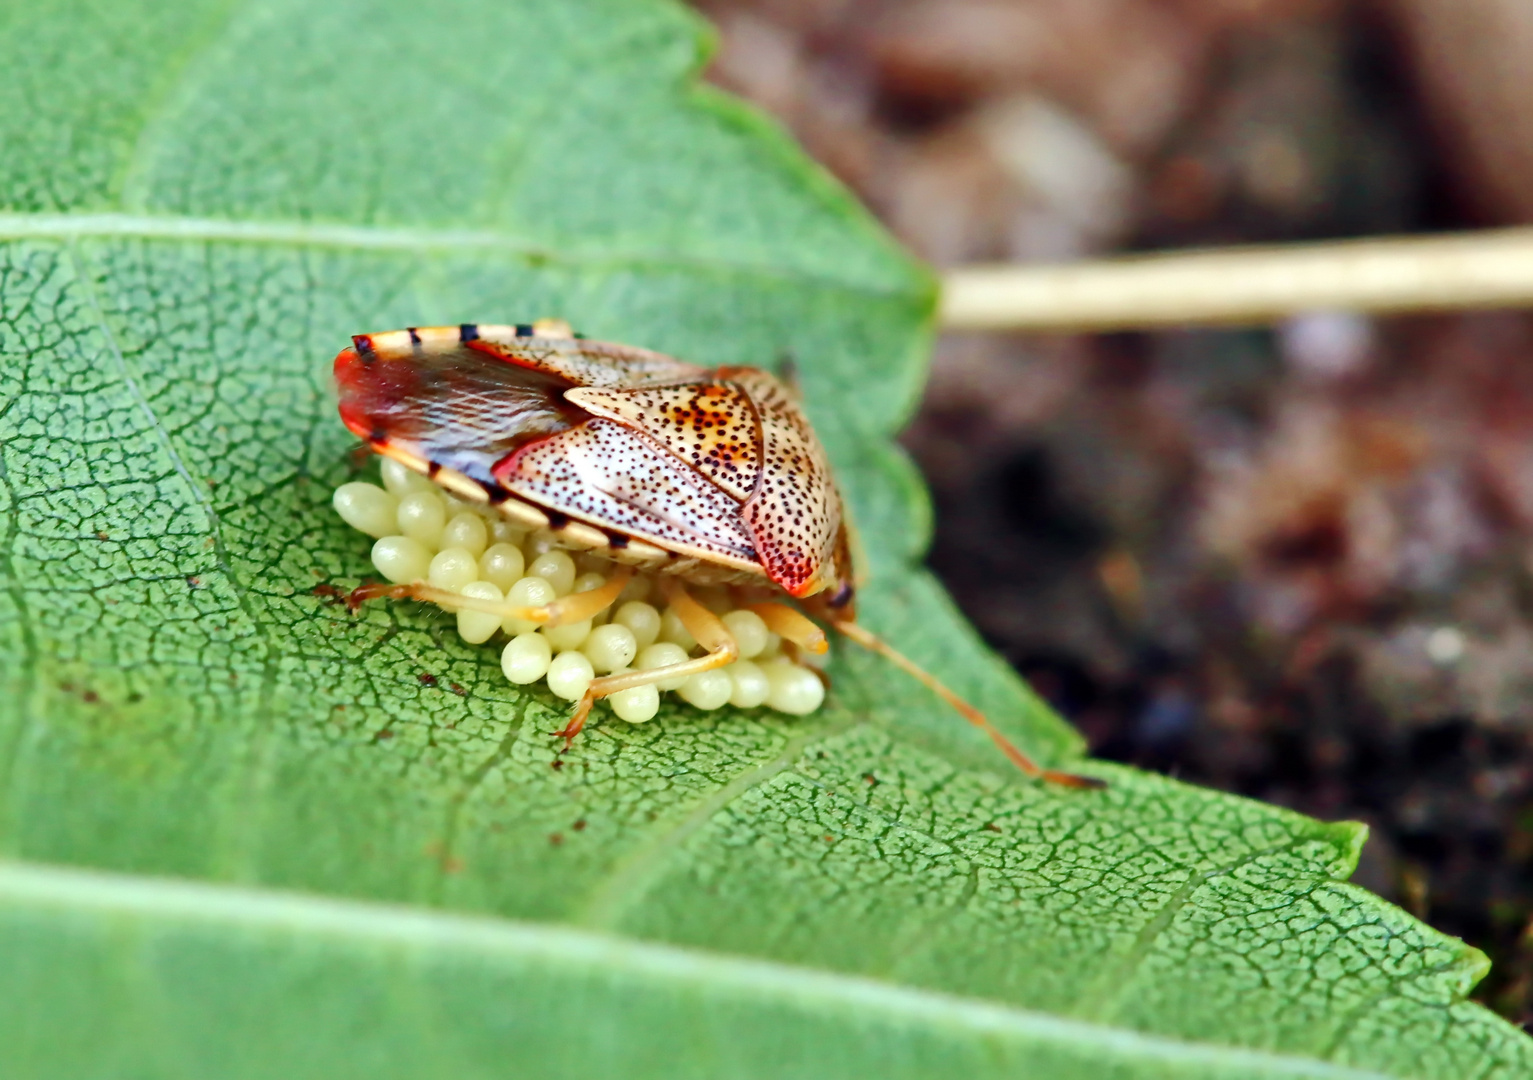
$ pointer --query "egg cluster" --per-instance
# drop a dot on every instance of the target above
(421, 533)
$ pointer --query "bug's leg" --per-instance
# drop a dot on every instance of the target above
(798, 634)
(871, 641)
(566, 609)
(375, 590)
(704, 625)
(585, 605)
(791, 626)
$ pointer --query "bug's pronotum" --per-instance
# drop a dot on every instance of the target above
(700, 476)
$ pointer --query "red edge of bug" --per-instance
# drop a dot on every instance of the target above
(699, 475)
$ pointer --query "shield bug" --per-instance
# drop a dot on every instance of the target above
(701, 476)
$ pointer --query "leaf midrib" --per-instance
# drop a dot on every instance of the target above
(65, 227)
(377, 924)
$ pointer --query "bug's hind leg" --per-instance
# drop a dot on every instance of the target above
(871, 641)
(704, 625)
(566, 609)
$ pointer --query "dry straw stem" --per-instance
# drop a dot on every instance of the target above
(1247, 285)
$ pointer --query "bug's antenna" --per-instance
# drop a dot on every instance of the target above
(872, 642)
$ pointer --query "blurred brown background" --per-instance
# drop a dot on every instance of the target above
(1297, 562)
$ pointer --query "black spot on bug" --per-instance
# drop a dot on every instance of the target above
(468, 332)
(364, 346)
(617, 540)
(378, 436)
(415, 337)
(556, 520)
(523, 329)
(843, 596)
(432, 468)
(495, 493)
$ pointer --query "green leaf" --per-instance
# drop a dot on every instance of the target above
(202, 201)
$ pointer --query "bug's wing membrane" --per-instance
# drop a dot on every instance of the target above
(794, 515)
(604, 473)
(584, 363)
(711, 426)
(436, 403)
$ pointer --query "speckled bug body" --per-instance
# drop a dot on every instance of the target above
(713, 476)
(705, 476)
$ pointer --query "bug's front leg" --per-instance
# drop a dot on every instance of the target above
(702, 624)
(791, 626)
(567, 609)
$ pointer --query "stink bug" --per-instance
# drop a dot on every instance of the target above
(701, 476)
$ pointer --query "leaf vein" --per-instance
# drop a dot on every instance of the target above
(259, 762)
(1101, 999)
(632, 878)
(65, 227)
